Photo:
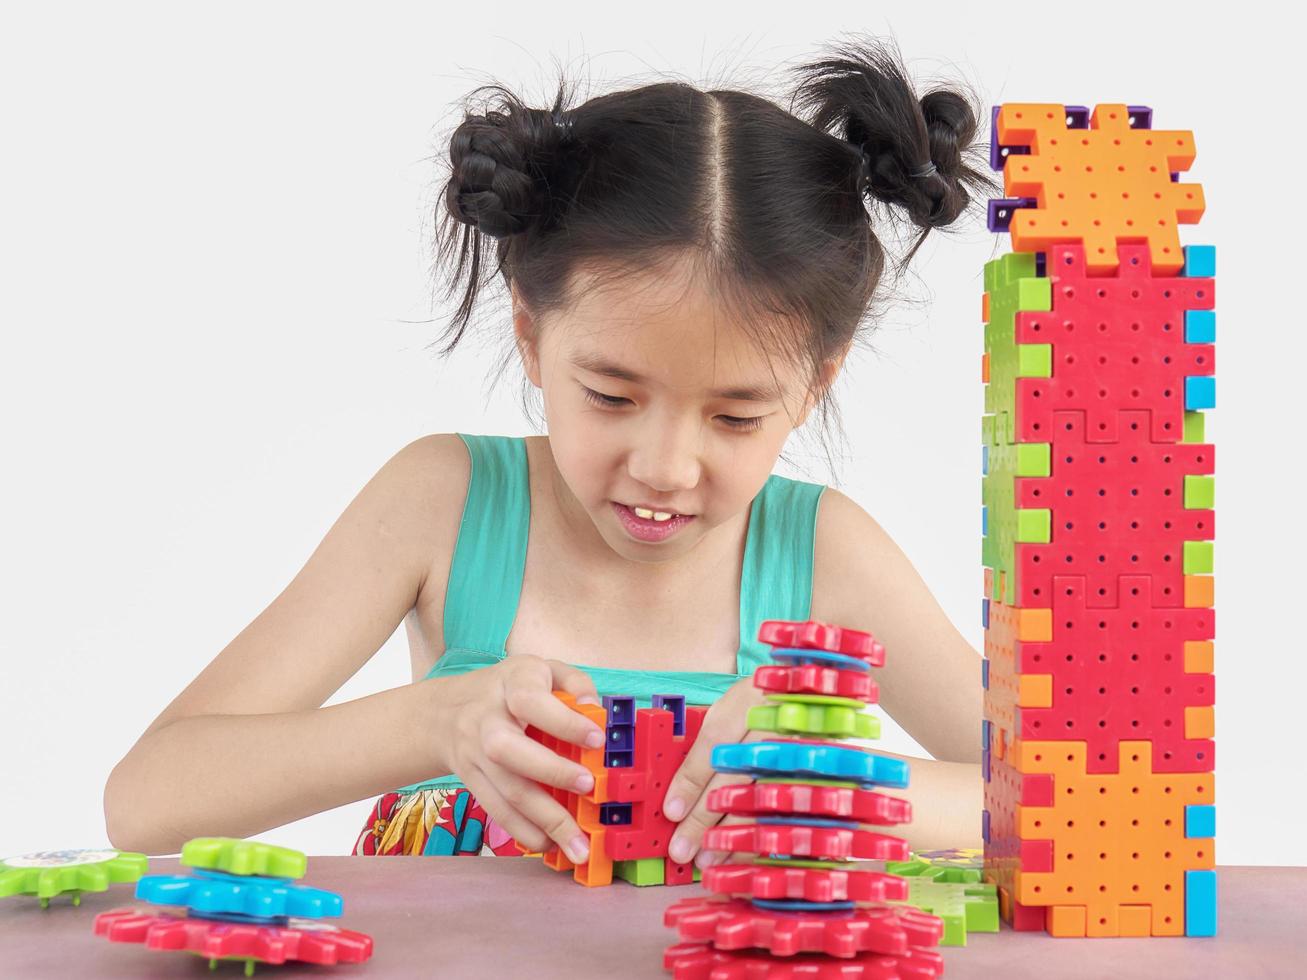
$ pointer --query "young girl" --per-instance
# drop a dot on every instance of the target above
(687, 270)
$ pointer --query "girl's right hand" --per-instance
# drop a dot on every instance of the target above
(486, 746)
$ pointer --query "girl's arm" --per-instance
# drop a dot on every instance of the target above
(247, 745)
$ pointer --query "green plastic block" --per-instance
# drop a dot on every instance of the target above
(641, 871)
(1199, 492)
(1034, 360)
(45, 874)
(1193, 427)
(947, 884)
(1198, 557)
(824, 720)
(1034, 526)
(243, 857)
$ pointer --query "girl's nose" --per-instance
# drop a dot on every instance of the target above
(667, 460)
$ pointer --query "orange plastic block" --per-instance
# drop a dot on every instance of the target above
(1199, 591)
(1117, 838)
(1198, 657)
(1009, 627)
(1100, 186)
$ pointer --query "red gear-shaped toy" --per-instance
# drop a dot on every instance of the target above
(736, 924)
(306, 941)
(840, 802)
(813, 635)
(798, 840)
(816, 679)
(779, 883)
(698, 961)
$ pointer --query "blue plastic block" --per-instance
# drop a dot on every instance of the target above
(250, 896)
(1200, 820)
(1199, 260)
(1199, 393)
(621, 710)
(984, 459)
(984, 674)
(810, 759)
(615, 814)
(783, 905)
(986, 729)
(984, 521)
(984, 613)
(984, 764)
(1200, 903)
(786, 655)
(675, 703)
(1200, 326)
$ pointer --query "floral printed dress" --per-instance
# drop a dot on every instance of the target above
(444, 821)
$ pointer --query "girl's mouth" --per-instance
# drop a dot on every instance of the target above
(647, 529)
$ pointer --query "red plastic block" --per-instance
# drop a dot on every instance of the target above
(816, 679)
(699, 961)
(305, 941)
(797, 840)
(1116, 510)
(1118, 343)
(736, 924)
(1120, 674)
(658, 754)
(839, 802)
(791, 883)
(812, 635)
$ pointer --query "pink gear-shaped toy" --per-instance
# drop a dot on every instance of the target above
(840, 802)
(304, 940)
(816, 679)
(793, 883)
(813, 635)
(798, 840)
(698, 961)
(736, 924)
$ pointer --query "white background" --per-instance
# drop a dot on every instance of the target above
(215, 305)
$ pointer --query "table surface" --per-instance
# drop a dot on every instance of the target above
(497, 917)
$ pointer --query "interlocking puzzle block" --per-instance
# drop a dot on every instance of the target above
(948, 884)
(622, 815)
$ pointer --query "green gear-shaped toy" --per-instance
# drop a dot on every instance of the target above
(243, 857)
(806, 717)
(45, 874)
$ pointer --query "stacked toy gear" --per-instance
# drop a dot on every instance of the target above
(803, 907)
(47, 874)
(241, 904)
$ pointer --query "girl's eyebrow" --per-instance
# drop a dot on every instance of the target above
(599, 364)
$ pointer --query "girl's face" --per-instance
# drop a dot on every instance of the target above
(656, 398)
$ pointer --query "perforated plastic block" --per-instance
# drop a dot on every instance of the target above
(1123, 160)
(806, 758)
(737, 924)
(862, 805)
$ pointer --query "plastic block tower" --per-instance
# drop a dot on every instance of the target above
(803, 907)
(622, 815)
(1098, 527)
(240, 904)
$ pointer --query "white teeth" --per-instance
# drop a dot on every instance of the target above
(656, 515)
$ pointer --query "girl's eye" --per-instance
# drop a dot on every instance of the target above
(612, 401)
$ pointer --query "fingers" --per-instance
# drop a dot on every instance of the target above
(688, 838)
(532, 703)
(724, 723)
(574, 681)
(509, 748)
(544, 820)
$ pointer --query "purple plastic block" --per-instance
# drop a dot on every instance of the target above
(1041, 264)
(998, 154)
(621, 738)
(619, 760)
(1141, 116)
(984, 825)
(615, 814)
(621, 710)
(1077, 116)
(1001, 209)
(675, 703)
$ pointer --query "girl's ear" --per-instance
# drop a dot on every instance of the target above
(830, 370)
(526, 335)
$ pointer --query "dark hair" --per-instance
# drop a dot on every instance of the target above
(771, 204)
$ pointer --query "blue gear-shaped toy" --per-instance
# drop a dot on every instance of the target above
(810, 759)
(216, 893)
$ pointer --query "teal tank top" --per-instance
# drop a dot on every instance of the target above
(485, 578)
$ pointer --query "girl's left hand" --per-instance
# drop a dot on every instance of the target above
(686, 801)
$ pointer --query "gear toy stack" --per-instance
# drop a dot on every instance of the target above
(803, 906)
(241, 903)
